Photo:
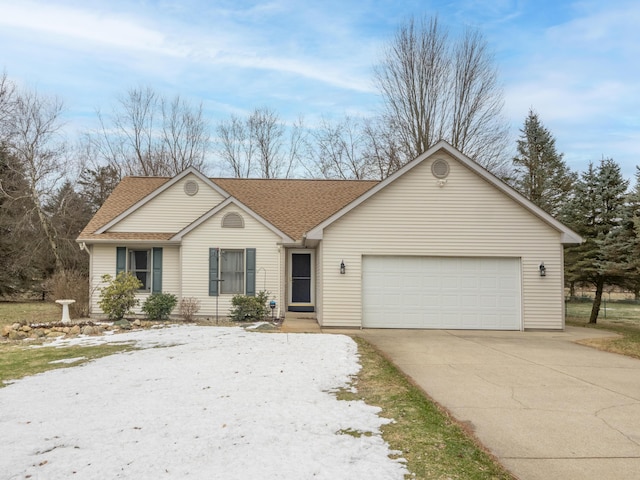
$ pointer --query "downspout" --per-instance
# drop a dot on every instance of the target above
(279, 279)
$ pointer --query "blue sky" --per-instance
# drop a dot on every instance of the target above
(577, 63)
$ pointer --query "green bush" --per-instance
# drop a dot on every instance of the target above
(158, 306)
(246, 308)
(118, 298)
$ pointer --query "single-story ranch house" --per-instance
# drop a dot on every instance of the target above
(442, 243)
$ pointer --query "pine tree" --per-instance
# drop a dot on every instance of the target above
(628, 239)
(596, 212)
(540, 174)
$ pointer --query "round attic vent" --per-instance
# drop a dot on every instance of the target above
(440, 168)
(191, 187)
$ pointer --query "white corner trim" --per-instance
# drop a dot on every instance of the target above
(158, 191)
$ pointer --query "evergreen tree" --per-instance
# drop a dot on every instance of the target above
(596, 212)
(18, 230)
(97, 184)
(69, 213)
(628, 240)
(540, 174)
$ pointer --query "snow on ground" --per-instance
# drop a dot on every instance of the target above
(196, 402)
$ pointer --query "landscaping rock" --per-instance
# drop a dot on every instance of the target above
(16, 326)
(137, 322)
(123, 324)
(88, 330)
(25, 328)
(75, 330)
(17, 335)
(6, 330)
(54, 334)
(37, 333)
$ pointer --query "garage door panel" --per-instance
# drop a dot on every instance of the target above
(441, 292)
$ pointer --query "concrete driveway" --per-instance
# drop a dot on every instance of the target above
(546, 407)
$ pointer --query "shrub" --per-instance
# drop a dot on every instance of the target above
(246, 308)
(189, 306)
(118, 298)
(158, 306)
(71, 284)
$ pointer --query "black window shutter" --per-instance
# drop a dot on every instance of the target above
(156, 282)
(213, 272)
(121, 259)
(251, 271)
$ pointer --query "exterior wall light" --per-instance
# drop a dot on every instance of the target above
(543, 270)
(342, 268)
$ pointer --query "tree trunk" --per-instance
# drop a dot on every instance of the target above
(595, 309)
(48, 230)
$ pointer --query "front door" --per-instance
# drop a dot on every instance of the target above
(301, 282)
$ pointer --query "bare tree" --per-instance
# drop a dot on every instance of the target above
(185, 135)
(266, 133)
(236, 146)
(438, 88)
(7, 106)
(339, 150)
(382, 148)
(36, 144)
(146, 134)
(259, 145)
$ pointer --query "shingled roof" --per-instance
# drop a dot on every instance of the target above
(292, 206)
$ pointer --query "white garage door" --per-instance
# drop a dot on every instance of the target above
(439, 292)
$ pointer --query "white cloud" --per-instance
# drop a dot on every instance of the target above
(103, 28)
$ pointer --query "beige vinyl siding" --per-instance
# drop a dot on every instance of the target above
(195, 259)
(103, 261)
(466, 217)
(171, 210)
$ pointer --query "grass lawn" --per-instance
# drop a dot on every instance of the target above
(434, 446)
(20, 360)
(29, 312)
(622, 318)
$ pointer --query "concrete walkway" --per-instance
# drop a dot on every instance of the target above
(545, 406)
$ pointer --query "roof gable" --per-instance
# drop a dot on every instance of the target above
(158, 191)
(567, 235)
(229, 201)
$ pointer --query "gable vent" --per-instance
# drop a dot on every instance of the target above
(232, 220)
(191, 187)
(440, 168)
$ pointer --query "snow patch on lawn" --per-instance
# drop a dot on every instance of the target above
(213, 402)
(67, 360)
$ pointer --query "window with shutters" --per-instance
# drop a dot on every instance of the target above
(232, 271)
(144, 264)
